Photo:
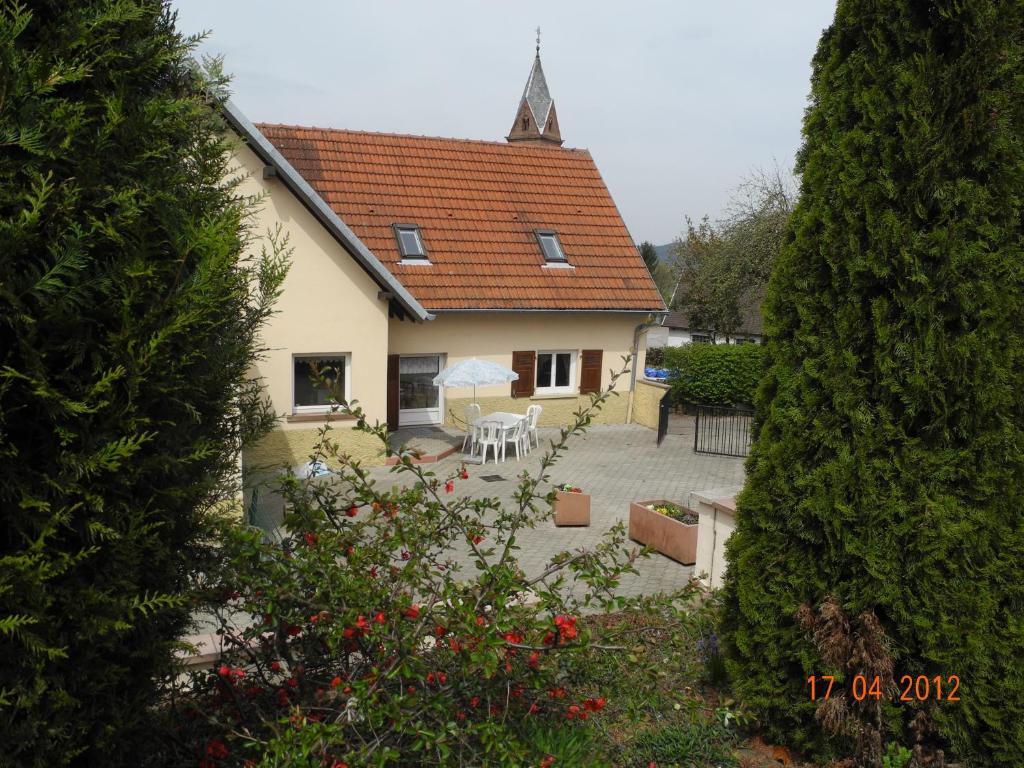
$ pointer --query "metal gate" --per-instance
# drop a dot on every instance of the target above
(722, 431)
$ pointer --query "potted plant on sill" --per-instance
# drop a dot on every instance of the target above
(572, 506)
(666, 527)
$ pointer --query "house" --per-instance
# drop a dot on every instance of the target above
(411, 253)
(676, 329)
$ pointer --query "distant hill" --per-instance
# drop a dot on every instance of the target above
(664, 252)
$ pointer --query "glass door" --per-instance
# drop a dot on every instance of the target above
(420, 401)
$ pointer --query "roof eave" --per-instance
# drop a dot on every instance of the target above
(323, 213)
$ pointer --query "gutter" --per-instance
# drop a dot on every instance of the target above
(653, 320)
(291, 178)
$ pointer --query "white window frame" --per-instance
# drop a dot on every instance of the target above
(346, 356)
(552, 390)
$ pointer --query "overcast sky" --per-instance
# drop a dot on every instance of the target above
(677, 100)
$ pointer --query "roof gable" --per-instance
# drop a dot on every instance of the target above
(478, 205)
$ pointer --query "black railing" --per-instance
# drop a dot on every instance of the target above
(722, 431)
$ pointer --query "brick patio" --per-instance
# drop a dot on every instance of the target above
(615, 464)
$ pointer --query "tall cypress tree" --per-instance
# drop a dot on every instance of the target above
(887, 474)
(128, 318)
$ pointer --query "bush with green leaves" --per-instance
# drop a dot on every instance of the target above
(886, 480)
(128, 320)
(715, 374)
(397, 626)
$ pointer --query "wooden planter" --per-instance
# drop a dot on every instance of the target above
(572, 508)
(670, 537)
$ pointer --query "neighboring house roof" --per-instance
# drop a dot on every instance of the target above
(752, 323)
(402, 302)
(478, 205)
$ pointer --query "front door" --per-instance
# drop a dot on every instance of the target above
(420, 401)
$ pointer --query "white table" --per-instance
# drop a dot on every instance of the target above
(507, 420)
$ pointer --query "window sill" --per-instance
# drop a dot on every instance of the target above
(557, 265)
(418, 262)
(299, 418)
(554, 396)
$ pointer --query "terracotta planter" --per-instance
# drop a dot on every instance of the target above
(670, 537)
(572, 508)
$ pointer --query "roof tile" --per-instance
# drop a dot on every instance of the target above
(477, 205)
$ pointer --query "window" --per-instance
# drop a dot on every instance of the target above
(700, 338)
(416, 387)
(410, 244)
(550, 246)
(319, 381)
(555, 371)
(746, 341)
(526, 123)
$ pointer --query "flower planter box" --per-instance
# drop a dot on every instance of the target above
(572, 508)
(670, 537)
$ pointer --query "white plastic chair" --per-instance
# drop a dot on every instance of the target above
(490, 433)
(517, 435)
(532, 417)
(472, 413)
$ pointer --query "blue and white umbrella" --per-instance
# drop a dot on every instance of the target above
(473, 373)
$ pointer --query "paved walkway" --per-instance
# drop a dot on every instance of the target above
(615, 464)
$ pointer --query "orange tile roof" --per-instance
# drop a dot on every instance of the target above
(477, 204)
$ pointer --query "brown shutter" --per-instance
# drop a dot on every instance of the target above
(392, 392)
(590, 371)
(524, 364)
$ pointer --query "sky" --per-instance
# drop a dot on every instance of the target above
(678, 101)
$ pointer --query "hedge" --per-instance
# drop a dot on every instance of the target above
(715, 374)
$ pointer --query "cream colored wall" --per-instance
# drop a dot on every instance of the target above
(328, 305)
(496, 335)
(646, 400)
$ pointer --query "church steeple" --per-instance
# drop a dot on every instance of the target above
(536, 120)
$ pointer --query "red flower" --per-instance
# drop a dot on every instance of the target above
(224, 670)
(478, 538)
(217, 750)
(362, 623)
(352, 511)
(405, 554)
(460, 715)
(412, 612)
(475, 701)
(440, 631)
(349, 550)
(547, 762)
(335, 682)
(310, 539)
(449, 486)
(294, 630)
(282, 697)
(314, 618)
(275, 666)
(379, 618)
(534, 660)
(480, 621)
(464, 474)
(442, 678)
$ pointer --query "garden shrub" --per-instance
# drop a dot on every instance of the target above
(715, 374)
(128, 321)
(886, 471)
(360, 640)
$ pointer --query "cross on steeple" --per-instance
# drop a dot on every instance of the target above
(536, 120)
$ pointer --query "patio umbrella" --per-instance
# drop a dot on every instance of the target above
(473, 372)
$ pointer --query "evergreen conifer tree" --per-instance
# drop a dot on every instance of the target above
(129, 308)
(887, 474)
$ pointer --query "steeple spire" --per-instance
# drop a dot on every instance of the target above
(536, 120)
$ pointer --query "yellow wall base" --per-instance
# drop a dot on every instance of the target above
(293, 447)
(646, 400)
(556, 412)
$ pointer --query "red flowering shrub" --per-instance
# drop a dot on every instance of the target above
(360, 639)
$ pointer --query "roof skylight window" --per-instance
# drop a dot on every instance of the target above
(410, 244)
(551, 247)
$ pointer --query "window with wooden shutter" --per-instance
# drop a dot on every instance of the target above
(523, 363)
(590, 371)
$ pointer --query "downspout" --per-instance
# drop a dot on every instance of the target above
(650, 322)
